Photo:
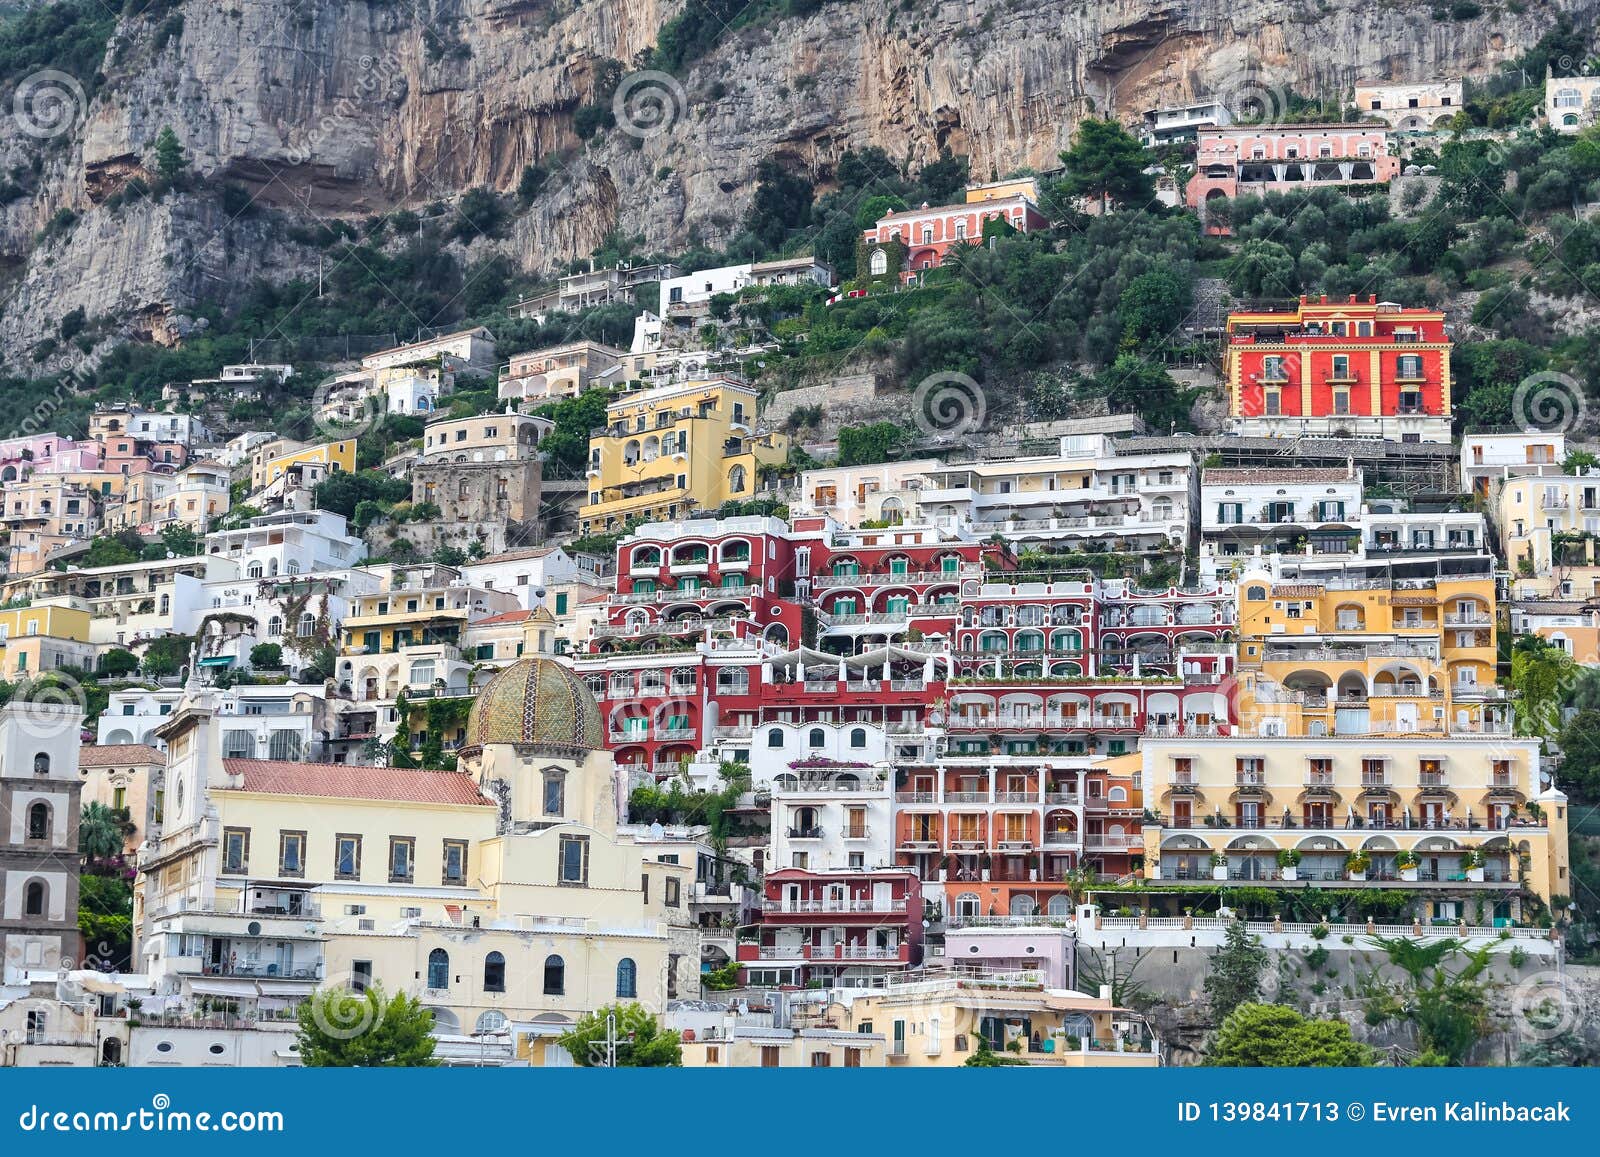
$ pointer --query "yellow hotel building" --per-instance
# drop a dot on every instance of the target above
(272, 460)
(668, 450)
(42, 637)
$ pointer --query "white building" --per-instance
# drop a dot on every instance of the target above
(885, 492)
(289, 543)
(1571, 102)
(523, 571)
(253, 721)
(1162, 126)
(467, 350)
(793, 271)
(1488, 456)
(692, 290)
(1282, 510)
(1087, 494)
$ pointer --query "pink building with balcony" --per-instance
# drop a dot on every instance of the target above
(1283, 158)
(929, 233)
(841, 927)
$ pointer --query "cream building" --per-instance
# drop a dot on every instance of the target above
(500, 895)
(1548, 521)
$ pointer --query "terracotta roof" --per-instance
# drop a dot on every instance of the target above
(503, 617)
(345, 781)
(114, 754)
(1271, 474)
(1297, 590)
(515, 555)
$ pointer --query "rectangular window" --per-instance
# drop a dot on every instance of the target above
(674, 892)
(573, 865)
(769, 1056)
(236, 850)
(347, 857)
(291, 854)
(402, 859)
(455, 861)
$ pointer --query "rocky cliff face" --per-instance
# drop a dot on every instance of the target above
(322, 108)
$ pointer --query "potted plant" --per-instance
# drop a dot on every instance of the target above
(1288, 862)
(1357, 863)
(1407, 862)
(1219, 866)
(1472, 860)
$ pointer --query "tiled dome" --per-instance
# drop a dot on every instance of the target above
(536, 700)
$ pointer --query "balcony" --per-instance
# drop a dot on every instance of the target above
(691, 566)
(805, 833)
(854, 906)
(916, 797)
(1468, 620)
(1061, 839)
(1014, 847)
(919, 846)
(857, 833)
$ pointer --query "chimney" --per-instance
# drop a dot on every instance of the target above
(1323, 300)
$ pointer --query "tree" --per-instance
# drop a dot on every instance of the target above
(167, 655)
(1106, 163)
(1152, 305)
(1263, 269)
(1275, 1037)
(1577, 460)
(782, 203)
(343, 1029)
(170, 157)
(1235, 976)
(269, 655)
(866, 445)
(1449, 1010)
(641, 1043)
(102, 833)
(117, 662)
(987, 1058)
(1540, 673)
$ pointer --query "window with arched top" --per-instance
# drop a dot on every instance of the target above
(438, 969)
(1256, 594)
(816, 737)
(555, 976)
(39, 821)
(858, 737)
(33, 901)
(736, 480)
(494, 972)
(274, 626)
(490, 1022)
(41, 763)
(775, 737)
(554, 791)
(254, 570)
(878, 263)
(627, 979)
(1117, 795)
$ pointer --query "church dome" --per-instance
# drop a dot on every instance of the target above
(539, 701)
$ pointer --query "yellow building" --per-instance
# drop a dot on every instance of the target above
(783, 1048)
(1547, 522)
(1457, 817)
(43, 636)
(1348, 654)
(669, 450)
(499, 895)
(270, 461)
(938, 1020)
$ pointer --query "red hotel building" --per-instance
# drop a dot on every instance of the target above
(841, 926)
(1345, 368)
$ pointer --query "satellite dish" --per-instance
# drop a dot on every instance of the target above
(657, 831)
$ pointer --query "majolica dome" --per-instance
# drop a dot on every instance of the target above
(536, 700)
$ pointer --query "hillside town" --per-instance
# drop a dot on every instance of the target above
(536, 684)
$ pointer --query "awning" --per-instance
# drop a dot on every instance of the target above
(240, 987)
(216, 661)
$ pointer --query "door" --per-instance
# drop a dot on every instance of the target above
(882, 896)
(1405, 716)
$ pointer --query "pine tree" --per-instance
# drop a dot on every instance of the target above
(1235, 976)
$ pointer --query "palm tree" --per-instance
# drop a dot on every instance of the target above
(102, 832)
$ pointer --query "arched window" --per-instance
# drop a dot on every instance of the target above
(33, 899)
(438, 969)
(627, 978)
(39, 821)
(815, 737)
(491, 1022)
(494, 973)
(858, 737)
(254, 570)
(736, 480)
(1256, 594)
(555, 976)
(274, 626)
(968, 904)
(775, 738)
(879, 263)
(308, 625)
(41, 763)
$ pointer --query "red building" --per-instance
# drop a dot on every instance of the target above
(1351, 368)
(840, 927)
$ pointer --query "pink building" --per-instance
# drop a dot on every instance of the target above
(930, 233)
(1283, 158)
